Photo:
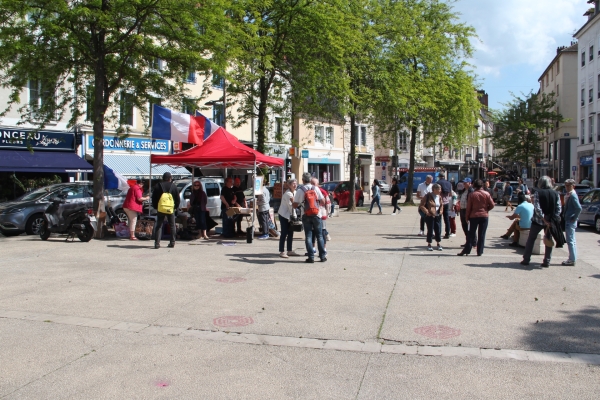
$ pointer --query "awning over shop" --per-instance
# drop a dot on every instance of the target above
(42, 161)
(138, 166)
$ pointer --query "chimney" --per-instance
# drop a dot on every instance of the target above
(483, 97)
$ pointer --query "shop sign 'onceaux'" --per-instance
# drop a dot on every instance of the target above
(36, 140)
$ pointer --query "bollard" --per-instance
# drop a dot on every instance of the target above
(249, 234)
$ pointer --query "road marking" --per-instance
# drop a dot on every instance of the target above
(310, 343)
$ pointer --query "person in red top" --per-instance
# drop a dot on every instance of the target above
(133, 205)
(479, 204)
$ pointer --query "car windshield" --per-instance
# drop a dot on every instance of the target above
(36, 194)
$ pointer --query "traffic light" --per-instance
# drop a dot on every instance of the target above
(288, 168)
(395, 161)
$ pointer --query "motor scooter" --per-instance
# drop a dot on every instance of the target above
(79, 222)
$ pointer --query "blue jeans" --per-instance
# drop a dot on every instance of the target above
(312, 226)
(570, 233)
(376, 200)
(477, 226)
(286, 233)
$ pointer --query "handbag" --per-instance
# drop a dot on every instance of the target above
(144, 228)
(548, 242)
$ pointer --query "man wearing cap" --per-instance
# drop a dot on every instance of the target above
(166, 186)
(464, 198)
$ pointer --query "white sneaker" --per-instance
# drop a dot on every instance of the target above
(328, 238)
(452, 234)
(429, 248)
(421, 233)
(393, 213)
(283, 255)
(293, 254)
(440, 248)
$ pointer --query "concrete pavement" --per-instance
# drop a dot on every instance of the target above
(382, 318)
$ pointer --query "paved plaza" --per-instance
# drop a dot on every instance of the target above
(381, 319)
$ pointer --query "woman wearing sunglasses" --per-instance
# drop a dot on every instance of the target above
(198, 202)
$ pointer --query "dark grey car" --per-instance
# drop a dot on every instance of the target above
(25, 214)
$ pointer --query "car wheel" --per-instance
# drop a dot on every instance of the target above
(597, 225)
(10, 233)
(122, 215)
(32, 227)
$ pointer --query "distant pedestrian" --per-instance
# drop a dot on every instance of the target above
(240, 197)
(508, 192)
(262, 204)
(165, 187)
(286, 217)
(395, 195)
(478, 207)
(431, 205)
(571, 214)
(228, 200)
(422, 190)
(323, 214)
(133, 205)
(464, 201)
(198, 201)
(452, 211)
(546, 206)
(376, 191)
(446, 191)
(310, 198)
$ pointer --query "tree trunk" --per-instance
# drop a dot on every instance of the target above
(262, 115)
(411, 166)
(353, 133)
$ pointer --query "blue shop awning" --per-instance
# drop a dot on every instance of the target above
(42, 161)
(138, 166)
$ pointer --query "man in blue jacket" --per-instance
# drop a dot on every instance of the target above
(572, 210)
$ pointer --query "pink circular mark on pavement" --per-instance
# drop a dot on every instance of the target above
(161, 383)
(438, 331)
(438, 272)
(231, 279)
(230, 321)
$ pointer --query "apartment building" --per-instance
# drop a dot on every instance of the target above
(559, 154)
(588, 114)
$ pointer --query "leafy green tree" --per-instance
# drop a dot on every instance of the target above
(105, 52)
(425, 85)
(520, 128)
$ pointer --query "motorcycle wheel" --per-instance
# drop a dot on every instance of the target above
(44, 231)
(86, 235)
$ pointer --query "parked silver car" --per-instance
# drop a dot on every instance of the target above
(25, 214)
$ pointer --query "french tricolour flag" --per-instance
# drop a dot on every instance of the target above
(179, 127)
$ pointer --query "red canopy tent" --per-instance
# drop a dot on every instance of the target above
(220, 150)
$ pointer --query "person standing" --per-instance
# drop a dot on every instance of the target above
(311, 199)
(452, 208)
(431, 205)
(228, 200)
(477, 214)
(422, 190)
(376, 191)
(240, 199)
(571, 214)
(286, 212)
(521, 220)
(262, 203)
(508, 192)
(546, 206)
(446, 193)
(395, 194)
(165, 187)
(198, 200)
(133, 205)
(464, 201)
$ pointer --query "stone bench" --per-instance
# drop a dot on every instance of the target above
(538, 246)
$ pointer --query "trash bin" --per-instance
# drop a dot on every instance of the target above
(336, 211)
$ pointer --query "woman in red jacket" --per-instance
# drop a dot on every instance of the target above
(133, 205)
(478, 206)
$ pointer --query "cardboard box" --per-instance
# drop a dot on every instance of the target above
(238, 210)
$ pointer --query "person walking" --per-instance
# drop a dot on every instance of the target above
(311, 199)
(165, 187)
(478, 207)
(446, 193)
(286, 214)
(508, 192)
(133, 206)
(198, 200)
(376, 191)
(422, 190)
(571, 214)
(546, 208)
(395, 195)
(464, 201)
(431, 205)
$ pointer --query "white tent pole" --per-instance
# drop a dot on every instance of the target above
(150, 183)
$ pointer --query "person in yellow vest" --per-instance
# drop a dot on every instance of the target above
(165, 200)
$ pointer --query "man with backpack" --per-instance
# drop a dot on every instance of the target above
(165, 200)
(311, 199)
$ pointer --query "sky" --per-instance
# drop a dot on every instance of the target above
(517, 39)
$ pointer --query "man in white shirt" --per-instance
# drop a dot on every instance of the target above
(422, 190)
(312, 223)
